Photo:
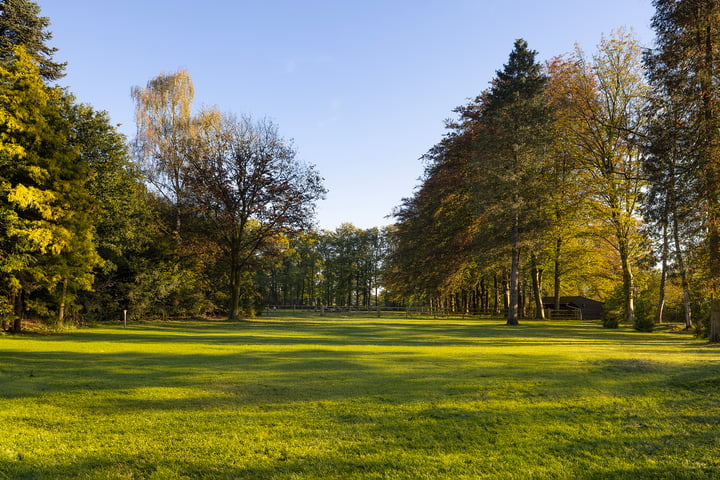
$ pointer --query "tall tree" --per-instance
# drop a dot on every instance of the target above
(513, 152)
(22, 25)
(47, 232)
(568, 212)
(684, 67)
(246, 180)
(434, 235)
(606, 95)
(163, 116)
(122, 218)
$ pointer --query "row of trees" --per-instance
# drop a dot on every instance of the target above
(597, 169)
(202, 213)
(180, 223)
(343, 267)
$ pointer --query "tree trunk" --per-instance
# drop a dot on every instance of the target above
(628, 281)
(61, 310)
(663, 273)
(556, 273)
(715, 320)
(684, 283)
(512, 313)
(235, 284)
(711, 172)
(19, 308)
(537, 274)
(235, 292)
(714, 252)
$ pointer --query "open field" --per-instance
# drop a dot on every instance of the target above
(301, 397)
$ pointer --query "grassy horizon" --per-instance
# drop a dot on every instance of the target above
(301, 396)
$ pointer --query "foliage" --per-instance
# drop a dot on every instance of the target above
(48, 234)
(22, 26)
(682, 69)
(247, 182)
(162, 113)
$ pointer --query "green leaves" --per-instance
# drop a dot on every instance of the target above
(47, 236)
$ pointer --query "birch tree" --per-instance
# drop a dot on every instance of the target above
(164, 119)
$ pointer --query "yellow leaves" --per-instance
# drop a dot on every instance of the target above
(44, 237)
(33, 198)
(11, 149)
(37, 174)
(40, 237)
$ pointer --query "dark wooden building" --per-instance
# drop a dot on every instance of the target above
(579, 308)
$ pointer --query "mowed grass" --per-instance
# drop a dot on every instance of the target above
(310, 397)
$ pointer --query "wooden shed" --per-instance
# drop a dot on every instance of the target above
(579, 308)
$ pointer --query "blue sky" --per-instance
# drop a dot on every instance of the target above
(362, 87)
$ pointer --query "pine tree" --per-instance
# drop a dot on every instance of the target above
(512, 153)
(22, 25)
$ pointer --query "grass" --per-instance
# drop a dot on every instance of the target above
(302, 397)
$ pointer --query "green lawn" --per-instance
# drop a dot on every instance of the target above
(302, 397)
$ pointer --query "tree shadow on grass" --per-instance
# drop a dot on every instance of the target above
(417, 407)
(425, 332)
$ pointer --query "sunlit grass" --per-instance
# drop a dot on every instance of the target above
(296, 396)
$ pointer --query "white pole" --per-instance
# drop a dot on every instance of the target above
(124, 318)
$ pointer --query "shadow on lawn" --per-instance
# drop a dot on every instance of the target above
(331, 355)
(416, 439)
(413, 332)
(412, 404)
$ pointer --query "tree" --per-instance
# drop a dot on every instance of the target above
(671, 187)
(434, 235)
(606, 98)
(483, 195)
(512, 151)
(22, 25)
(123, 219)
(567, 209)
(683, 68)
(163, 116)
(47, 231)
(246, 180)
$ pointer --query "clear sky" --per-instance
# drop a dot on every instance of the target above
(361, 86)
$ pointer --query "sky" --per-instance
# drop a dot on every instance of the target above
(361, 87)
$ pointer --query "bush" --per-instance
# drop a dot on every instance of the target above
(644, 312)
(644, 323)
(613, 313)
(610, 320)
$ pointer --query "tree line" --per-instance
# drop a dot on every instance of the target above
(600, 169)
(204, 213)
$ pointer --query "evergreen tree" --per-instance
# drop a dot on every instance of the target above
(512, 153)
(22, 25)
(47, 230)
